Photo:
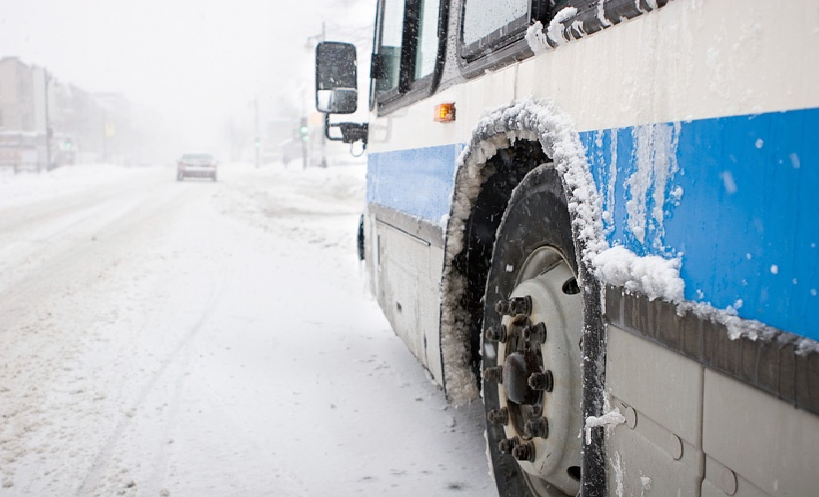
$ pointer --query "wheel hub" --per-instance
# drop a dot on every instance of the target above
(540, 380)
(517, 369)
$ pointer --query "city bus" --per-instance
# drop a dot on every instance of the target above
(599, 219)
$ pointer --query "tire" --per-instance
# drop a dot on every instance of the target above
(360, 238)
(180, 176)
(532, 431)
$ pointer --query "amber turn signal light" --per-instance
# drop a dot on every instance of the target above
(444, 113)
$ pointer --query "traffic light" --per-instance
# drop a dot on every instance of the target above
(257, 142)
(303, 129)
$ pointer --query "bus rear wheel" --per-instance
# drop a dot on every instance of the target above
(533, 321)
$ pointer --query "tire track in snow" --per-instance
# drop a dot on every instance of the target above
(57, 271)
(106, 452)
(46, 211)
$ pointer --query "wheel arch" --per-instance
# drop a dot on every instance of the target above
(537, 131)
(482, 195)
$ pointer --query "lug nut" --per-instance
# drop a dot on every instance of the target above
(514, 306)
(498, 416)
(537, 428)
(493, 375)
(536, 332)
(524, 451)
(497, 334)
(542, 381)
(507, 445)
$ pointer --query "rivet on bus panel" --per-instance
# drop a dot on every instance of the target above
(728, 481)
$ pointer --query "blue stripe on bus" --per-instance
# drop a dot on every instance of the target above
(417, 182)
(738, 205)
(747, 222)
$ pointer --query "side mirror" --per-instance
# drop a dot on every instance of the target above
(336, 85)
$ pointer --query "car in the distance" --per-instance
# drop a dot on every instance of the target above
(196, 165)
(292, 150)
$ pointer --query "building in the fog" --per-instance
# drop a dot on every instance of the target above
(45, 123)
(16, 96)
(114, 118)
(23, 141)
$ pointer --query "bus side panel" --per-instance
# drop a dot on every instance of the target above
(408, 194)
(407, 292)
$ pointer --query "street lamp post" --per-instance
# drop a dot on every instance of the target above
(257, 143)
(311, 43)
(48, 131)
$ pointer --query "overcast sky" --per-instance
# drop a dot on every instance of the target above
(197, 58)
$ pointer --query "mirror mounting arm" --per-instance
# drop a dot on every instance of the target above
(350, 132)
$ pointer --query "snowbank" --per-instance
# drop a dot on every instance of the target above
(20, 189)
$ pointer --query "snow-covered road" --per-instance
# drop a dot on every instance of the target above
(209, 339)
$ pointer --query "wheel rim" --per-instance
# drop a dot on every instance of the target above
(539, 375)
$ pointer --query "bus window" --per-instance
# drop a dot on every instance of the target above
(486, 21)
(427, 49)
(389, 50)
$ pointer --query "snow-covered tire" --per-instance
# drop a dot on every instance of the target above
(534, 256)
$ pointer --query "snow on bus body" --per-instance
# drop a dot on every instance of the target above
(701, 164)
(756, 137)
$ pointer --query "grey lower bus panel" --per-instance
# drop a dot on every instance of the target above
(658, 451)
(742, 442)
(408, 273)
(698, 408)
(773, 366)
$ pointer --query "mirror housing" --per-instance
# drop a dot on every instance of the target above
(336, 83)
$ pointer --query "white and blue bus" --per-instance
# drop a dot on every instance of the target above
(600, 218)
